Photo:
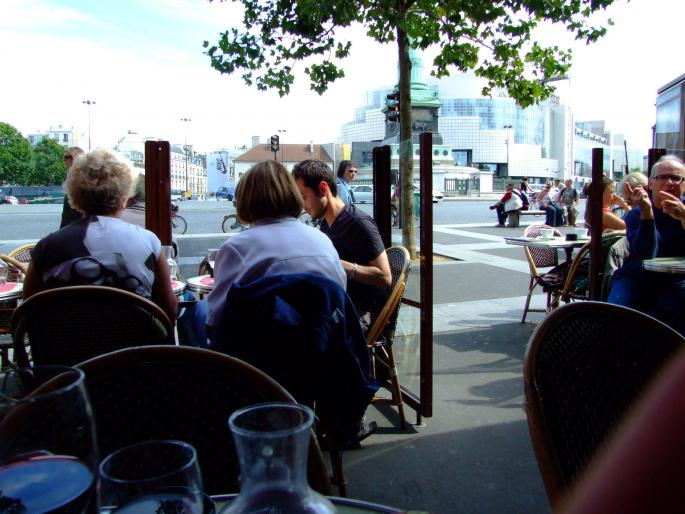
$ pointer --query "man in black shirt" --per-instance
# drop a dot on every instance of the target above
(353, 233)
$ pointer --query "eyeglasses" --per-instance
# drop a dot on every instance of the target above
(676, 179)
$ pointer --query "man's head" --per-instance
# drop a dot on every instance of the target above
(568, 183)
(70, 155)
(667, 176)
(510, 187)
(317, 184)
(267, 191)
(347, 170)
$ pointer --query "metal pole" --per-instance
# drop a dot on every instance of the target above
(185, 151)
(88, 103)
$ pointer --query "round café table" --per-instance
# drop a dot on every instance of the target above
(11, 291)
(178, 287)
(201, 285)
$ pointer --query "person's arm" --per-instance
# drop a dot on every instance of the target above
(505, 197)
(162, 294)
(32, 282)
(229, 268)
(376, 272)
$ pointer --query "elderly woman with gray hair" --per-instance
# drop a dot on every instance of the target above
(100, 248)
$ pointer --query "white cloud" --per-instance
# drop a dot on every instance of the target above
(37, 14)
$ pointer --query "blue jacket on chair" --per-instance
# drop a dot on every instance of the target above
(303, 331)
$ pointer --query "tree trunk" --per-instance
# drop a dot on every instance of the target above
(406, 148)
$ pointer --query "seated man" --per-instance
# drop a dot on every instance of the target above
(354, 235)
(655, 227)
(511, 201)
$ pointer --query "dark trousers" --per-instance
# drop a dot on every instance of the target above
(501, 215)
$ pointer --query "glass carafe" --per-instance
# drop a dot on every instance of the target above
(272, 440)
(168, 252)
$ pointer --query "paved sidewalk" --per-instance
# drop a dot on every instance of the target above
(474, 454)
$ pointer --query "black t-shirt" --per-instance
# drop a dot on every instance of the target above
(356, 238)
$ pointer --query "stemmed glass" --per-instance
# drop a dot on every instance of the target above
(156, 477)
(48, 455)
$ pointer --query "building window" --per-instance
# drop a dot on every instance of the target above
(65, 138)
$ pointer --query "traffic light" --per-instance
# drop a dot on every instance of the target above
(392, 110)
(275, 144)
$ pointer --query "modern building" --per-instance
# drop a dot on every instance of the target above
(669, 131)
(495, 134)
(65, 136)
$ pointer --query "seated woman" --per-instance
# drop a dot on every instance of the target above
(101, 249)
(555, 214)
(610, 221)
(568, 199)
(276, 243)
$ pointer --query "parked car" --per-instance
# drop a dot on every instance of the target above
(225, 193)
(12, 200)
(437, 196)
(363, 193)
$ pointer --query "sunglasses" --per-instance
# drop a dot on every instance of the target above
(66, 157)
(352, 171)
(676, 179)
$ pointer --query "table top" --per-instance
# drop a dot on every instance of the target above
(178, 287)
(342, 505)
(11, 290)
(665, 264)
(546, 242)
(201, 284)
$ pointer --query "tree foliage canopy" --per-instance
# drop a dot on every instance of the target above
(493, 38)
(49, 168)
(16, 156)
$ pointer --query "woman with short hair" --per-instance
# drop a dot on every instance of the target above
(276, 243)
(100, 248)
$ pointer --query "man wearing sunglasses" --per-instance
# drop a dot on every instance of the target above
(655, 228)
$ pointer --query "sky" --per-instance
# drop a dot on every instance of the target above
(142, 63)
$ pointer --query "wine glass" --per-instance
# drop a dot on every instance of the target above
(152, 477)
(48, 455)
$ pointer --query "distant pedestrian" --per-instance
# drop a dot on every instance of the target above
(555, 214)
(347, 171)
(568, 199)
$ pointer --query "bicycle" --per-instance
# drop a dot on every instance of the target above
(231, 224)
(179, 225)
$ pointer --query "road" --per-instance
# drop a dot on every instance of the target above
(29, 222)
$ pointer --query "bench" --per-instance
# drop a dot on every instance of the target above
(514, 216)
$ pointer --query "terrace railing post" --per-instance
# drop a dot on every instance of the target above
(381, 193)
(158, 189)
(595, 206)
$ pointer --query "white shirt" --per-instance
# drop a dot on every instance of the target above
(271, 247)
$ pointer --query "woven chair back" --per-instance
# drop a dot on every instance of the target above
(541, 257)
(386, 319)
(68, 325)
(186, 394)
(586, 365)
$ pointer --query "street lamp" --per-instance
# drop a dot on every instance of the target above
(185, 150)
(281, 131)
(88, 103)
(507, 127)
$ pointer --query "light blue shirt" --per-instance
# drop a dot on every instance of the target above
(345, 192)
(271, 247)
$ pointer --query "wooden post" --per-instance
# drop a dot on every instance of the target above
(381, 193)
(426, 259)
(653, 155)
(158, 189)
(595, 206)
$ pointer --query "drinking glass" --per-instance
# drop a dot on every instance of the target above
(152, 477)
(272, 440)
(48, 455)
(3, 272)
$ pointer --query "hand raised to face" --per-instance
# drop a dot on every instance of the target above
(638, 195)
(672, 206)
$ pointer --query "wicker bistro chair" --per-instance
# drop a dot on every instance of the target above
(68, 325)
(381, 335)
(551, 282)
(586, 365)
(187, 394)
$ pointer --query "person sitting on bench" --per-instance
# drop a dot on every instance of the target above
(512, 200)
